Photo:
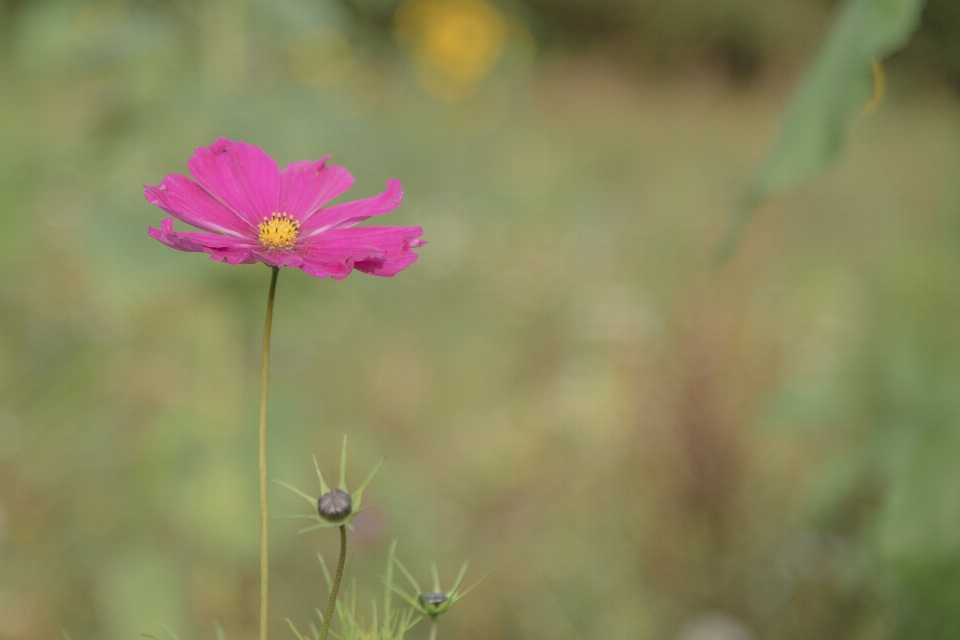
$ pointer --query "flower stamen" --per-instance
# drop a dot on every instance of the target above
(279, 231)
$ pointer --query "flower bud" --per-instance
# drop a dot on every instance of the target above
(335, 505)
(432, 598)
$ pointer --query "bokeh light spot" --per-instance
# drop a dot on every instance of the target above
(453, 44)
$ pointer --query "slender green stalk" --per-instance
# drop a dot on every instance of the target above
(336, 584)
(433, 628)
(264, 379)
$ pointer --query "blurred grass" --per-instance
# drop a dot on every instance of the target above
(567, 394)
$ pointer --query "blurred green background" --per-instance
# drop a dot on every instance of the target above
(637, 444)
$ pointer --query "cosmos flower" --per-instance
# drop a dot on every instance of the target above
(251, 211)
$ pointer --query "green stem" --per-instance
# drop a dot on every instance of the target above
(264, 378)
(433, 628)
(336, 584)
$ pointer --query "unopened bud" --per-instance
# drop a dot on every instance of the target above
(335, 505)
(432, 598)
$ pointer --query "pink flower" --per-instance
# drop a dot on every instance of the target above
(251, 211)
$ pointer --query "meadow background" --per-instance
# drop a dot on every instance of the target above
(638, 443)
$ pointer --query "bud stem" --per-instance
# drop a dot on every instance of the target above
(264, 378)
(336, 584)
(433, 628)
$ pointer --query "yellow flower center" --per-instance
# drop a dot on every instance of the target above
(279, 231)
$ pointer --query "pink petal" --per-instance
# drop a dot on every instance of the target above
(187, 201)
(380, 251)
(306, 186)
(278, 258)
(221, 248)
(348, 214)
(322, 268)
(241, 176)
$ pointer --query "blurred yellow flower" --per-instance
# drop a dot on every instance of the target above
(453, 44)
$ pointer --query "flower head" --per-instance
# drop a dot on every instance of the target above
(335, 507)
(250, 211)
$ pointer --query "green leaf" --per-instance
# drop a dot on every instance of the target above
(303, 495)
(411, 600)
(343, 465)
(836, 87)
(358, 494)
(294, 629)
(409, 577)
(388, 580)
(474, 586)
(170, 632)
(323, 485)
(460, 577)
(359, 511)
(410, 622)
(322, 525)
(326, 571)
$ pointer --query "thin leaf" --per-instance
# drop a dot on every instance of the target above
(359, 511)
(219, 630)
(307, 497)
(170, 632)
(343, 464)
(358, 494)
(413, 582)
(475, 584)
(322, 525)
(326, 574)
(834, 90)
(298, 516)
(412, 624)
(411, 600)
(436, 577)
(294, 629)
(460, 576)
(387, 591)
(348, 576)
(323, 485)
